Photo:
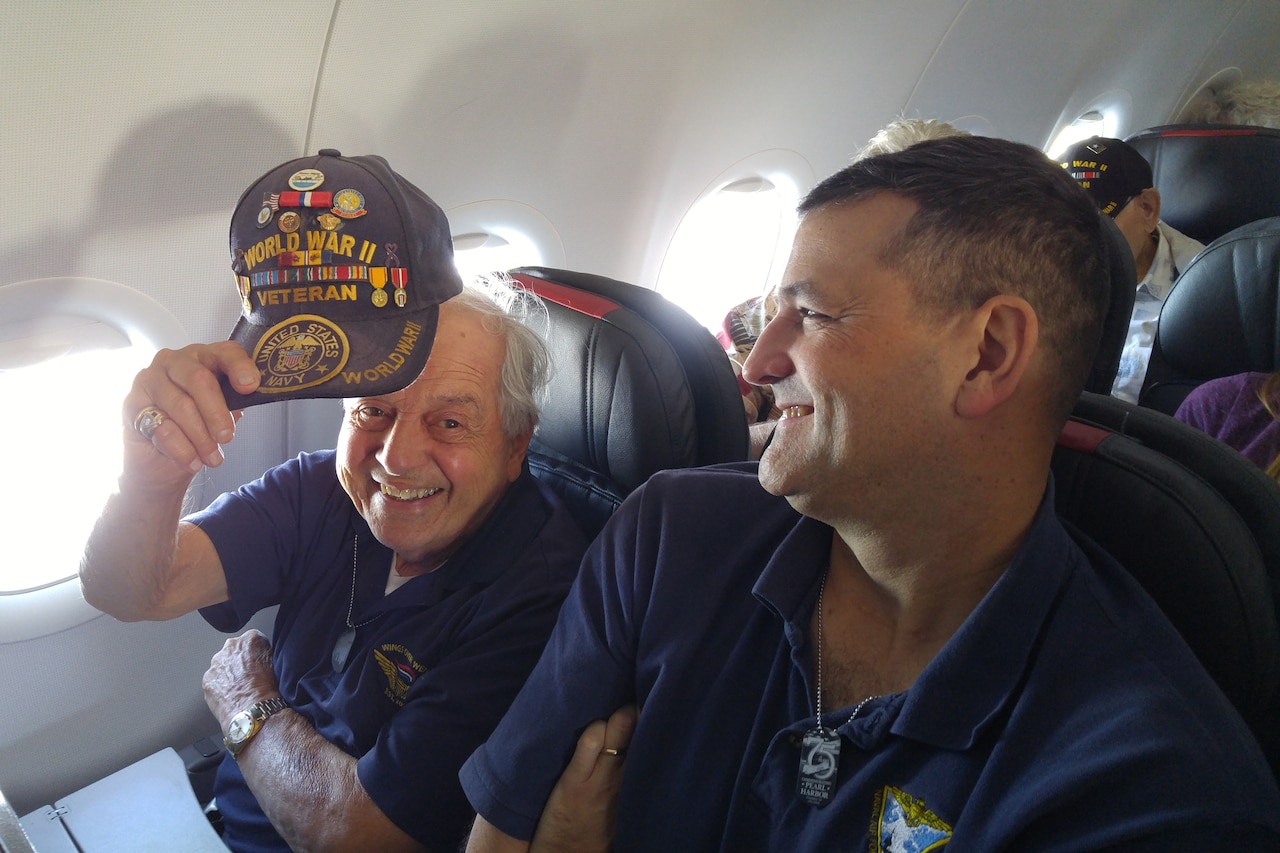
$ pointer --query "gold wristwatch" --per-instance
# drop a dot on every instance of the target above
(245, 725)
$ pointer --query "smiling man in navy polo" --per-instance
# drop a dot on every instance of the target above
(883, 638)
(418, 568)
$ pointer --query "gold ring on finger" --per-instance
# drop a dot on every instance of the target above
(148, 421)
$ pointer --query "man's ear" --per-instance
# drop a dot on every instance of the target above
(1006, 331)
(1149, 201)
(517, 450)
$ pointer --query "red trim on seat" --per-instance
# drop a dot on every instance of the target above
(1082, 437)
(581, 301)
(1208, 132)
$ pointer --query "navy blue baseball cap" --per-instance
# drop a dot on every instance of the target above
(1111, 170)
(341, 265)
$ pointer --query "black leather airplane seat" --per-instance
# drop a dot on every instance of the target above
(589, 497)
(1198, 526)
(1221, 318)
(637, 386)
(1212, 178)
(1115, 327)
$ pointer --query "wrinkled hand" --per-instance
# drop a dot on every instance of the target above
(183, 384)
(239, 675)
(581, 812)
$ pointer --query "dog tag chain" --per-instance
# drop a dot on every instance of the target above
(342, 648)
(820, 747)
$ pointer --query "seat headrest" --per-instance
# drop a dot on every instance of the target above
(1221, 318)
(1212, 178)
(637, 384)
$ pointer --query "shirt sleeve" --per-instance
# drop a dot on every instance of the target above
(1206, 406)
(586, 673)
(261, 533)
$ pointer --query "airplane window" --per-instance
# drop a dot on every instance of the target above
(1091, 123)
(480, 252)
(730, 246)
(68, 351)
(499, 234)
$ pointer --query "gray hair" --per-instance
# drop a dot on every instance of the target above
(507, 311)
(1252, 102)
(902, 133)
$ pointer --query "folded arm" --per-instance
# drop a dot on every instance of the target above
(582, 810)
(308, 788)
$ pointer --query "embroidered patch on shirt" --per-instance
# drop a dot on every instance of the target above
(900, 823)
(401, 670)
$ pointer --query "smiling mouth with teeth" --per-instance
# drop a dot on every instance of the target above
(796, 411)
(406, 494)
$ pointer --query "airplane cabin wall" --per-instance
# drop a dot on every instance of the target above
(132, 127)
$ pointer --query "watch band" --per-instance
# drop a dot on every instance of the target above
(246, 724)
(267, 707)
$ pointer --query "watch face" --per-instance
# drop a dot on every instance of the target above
(241, 727)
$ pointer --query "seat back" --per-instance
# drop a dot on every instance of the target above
(638, 385)
(1221, 318)
(589, 497)
(1212, 178)
(1198, 526)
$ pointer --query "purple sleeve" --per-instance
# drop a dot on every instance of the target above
(1230, 410)
(1207, 405)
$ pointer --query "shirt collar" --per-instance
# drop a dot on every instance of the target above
(953, 698)
(976, 673)
(512, 524)
(1160, 277)
(788, 585)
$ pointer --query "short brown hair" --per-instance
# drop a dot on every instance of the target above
(994, 217)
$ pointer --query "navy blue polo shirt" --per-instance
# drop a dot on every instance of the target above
(1066, 713)
(433, 665)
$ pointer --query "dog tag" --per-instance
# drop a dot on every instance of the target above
(819, 759)
(342, 648)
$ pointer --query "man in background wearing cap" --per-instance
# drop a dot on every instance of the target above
(1119, 179)
(418, 568)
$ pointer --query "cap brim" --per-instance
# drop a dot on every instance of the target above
(310, 357)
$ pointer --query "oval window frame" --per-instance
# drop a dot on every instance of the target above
(1115, 108)
(512, 222)
(778, 167)
(59, 604)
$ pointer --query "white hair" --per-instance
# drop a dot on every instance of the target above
(1251, 102)
(902, 133)
(507, 310)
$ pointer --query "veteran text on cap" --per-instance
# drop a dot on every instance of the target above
(341, 265)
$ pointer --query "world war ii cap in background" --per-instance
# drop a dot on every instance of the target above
(1110, 169)
(341, 266)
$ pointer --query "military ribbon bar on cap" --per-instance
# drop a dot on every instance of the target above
(311, 199)
(300, 274)
(320, 241)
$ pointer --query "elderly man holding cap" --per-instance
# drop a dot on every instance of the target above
(418, 567)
